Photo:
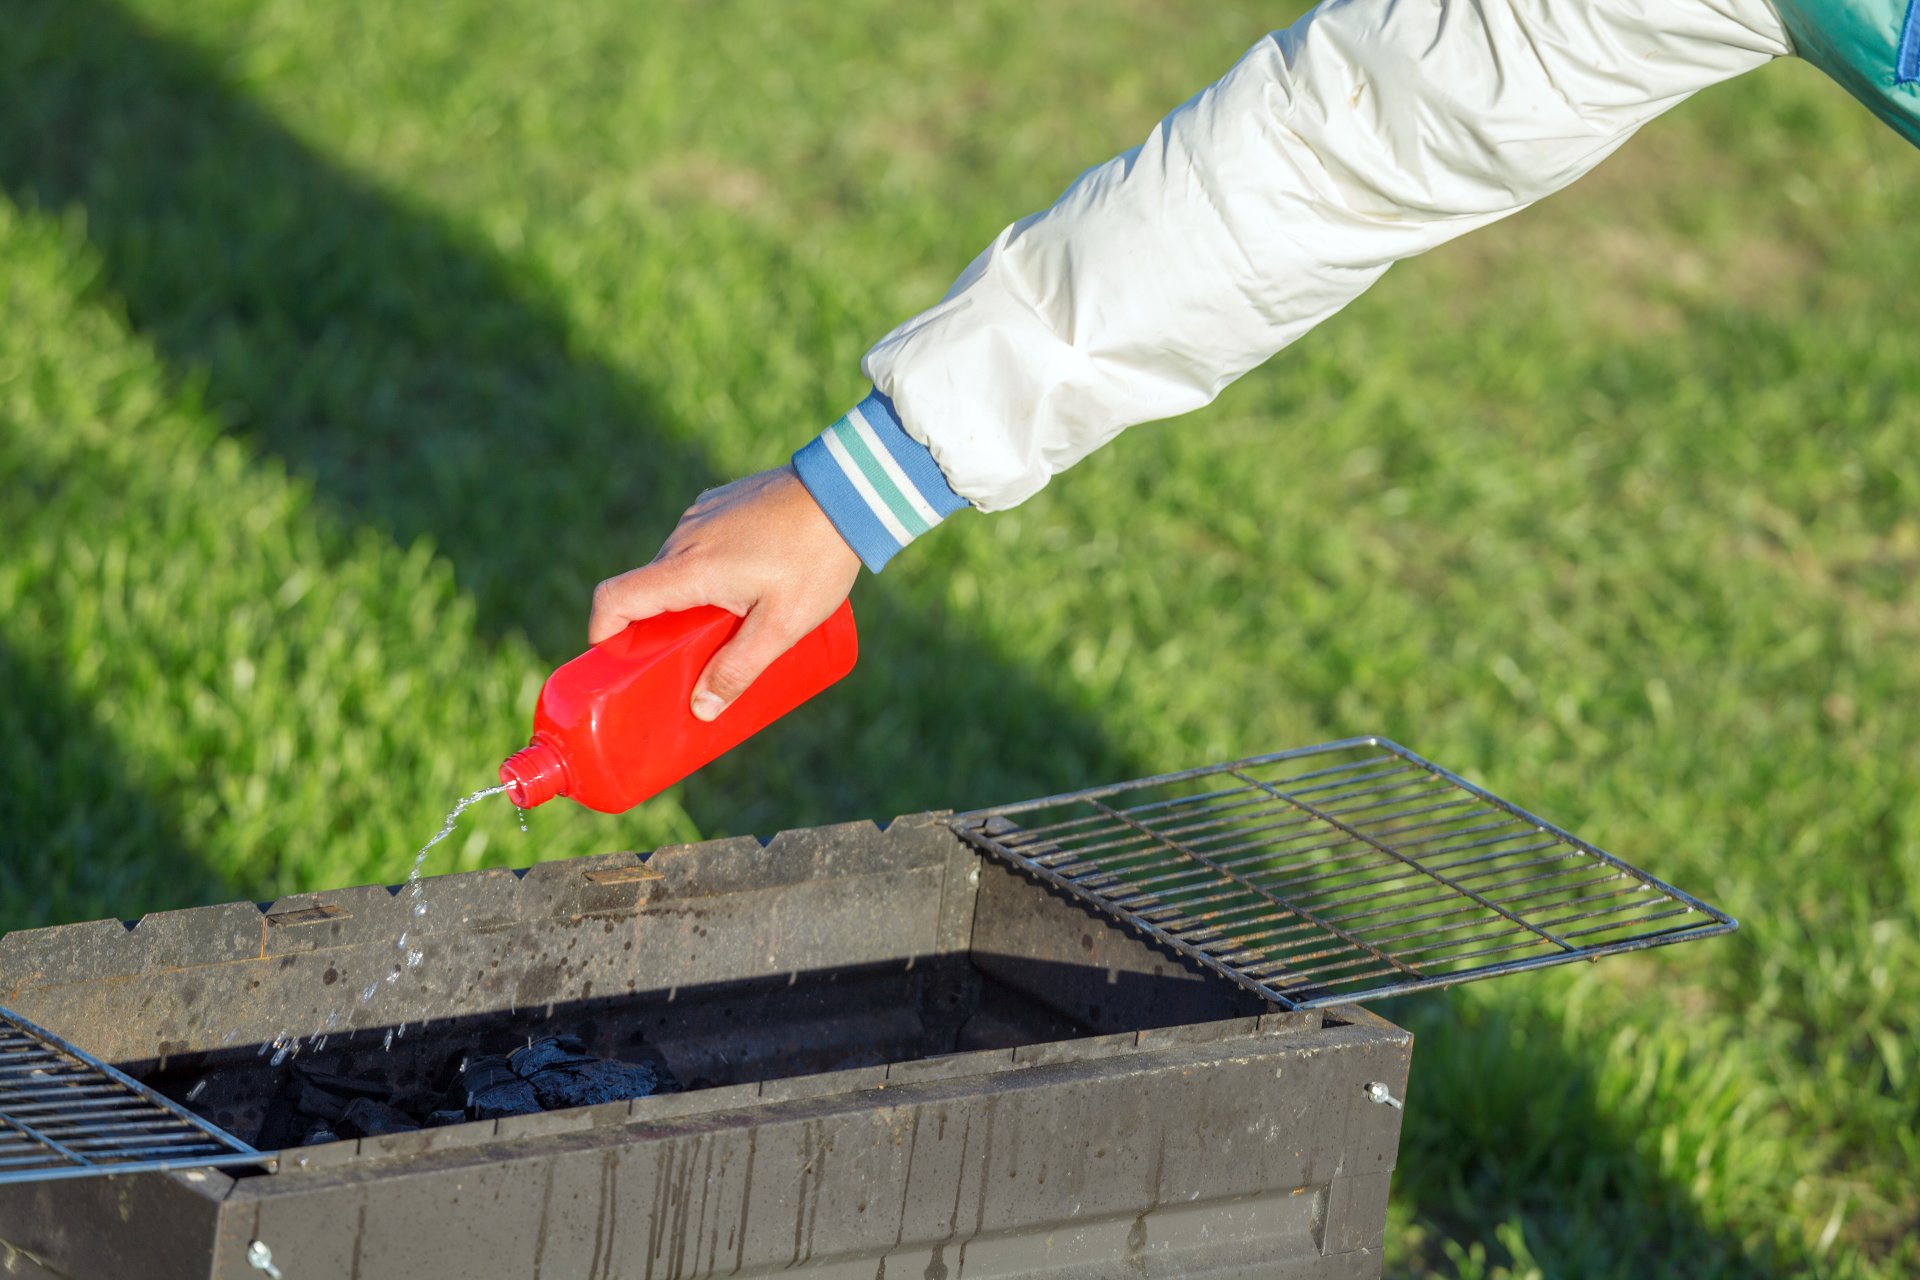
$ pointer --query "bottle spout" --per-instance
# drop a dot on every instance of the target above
(534, 775)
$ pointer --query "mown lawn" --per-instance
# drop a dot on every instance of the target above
(345, 345)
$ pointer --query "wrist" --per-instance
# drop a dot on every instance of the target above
(823, 538)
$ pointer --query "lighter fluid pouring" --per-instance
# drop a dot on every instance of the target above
(615, 726)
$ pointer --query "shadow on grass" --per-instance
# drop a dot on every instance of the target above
(394, 360)
(426, 391)
(1505, 1128)
(50, 746)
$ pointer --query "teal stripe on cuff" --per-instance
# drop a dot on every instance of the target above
(844, 506)
(915, 459)
(878, 498)
(883, 484)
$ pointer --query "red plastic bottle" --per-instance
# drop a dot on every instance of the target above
(614, 726)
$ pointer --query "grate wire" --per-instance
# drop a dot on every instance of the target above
(66, 1114)
(1348, 871)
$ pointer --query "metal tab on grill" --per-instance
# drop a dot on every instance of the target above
(1349, 871)
(66, 1114)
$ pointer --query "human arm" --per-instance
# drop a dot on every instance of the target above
(1368, 132)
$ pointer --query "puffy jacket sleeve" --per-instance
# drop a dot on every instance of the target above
(1369, 131)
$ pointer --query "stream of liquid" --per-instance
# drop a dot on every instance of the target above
(410, 957)
(287, 1045)
(446, 829)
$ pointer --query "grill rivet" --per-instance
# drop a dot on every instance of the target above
(1378, 1092)
(260, 1258)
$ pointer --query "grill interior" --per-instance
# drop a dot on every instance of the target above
(66, 1114)
(1349, 871)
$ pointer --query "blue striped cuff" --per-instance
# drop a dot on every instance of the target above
(879, 486)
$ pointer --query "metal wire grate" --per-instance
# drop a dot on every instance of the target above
(1349, 871)
(65, 1114)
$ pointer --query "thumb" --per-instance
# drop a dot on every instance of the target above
(739, 663)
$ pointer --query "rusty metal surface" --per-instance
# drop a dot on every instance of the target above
(904, 1073)
(207, 979)
(157, 1226)
(727, 961)
(1214, 1158)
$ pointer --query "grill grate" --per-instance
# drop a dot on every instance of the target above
(1325, 875)
(65, 1114)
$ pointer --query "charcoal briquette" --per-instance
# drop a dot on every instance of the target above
(493, 1091)
(367, 1118)
(318, 1103)
(586, 1083)
(548, 1051)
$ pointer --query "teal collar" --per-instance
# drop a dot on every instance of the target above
(1872, 47)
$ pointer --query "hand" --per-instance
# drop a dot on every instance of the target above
(761, 549)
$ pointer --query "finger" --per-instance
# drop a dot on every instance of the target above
(640, 593)
(739, 663)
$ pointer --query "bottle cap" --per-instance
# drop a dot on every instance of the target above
(534, 775)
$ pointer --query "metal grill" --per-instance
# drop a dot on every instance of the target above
(1349, 871)
(65, 1114)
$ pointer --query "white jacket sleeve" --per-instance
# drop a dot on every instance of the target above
(1370, 131)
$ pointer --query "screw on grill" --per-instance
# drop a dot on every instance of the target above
(1378, 1092)
(260, 1258)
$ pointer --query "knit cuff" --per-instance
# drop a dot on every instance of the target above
(879, 486)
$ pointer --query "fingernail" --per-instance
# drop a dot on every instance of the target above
(707, 705)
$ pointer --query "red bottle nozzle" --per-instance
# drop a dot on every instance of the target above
(534, 774)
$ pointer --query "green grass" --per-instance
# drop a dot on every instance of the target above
(344, 346)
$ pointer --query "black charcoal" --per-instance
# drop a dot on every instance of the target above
(493, 1091)
(583, 1084)
(341, 1086)
(312, 1101)
(366, 1118)
(546, 1074)
(564, 1074)
(548, 1051)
